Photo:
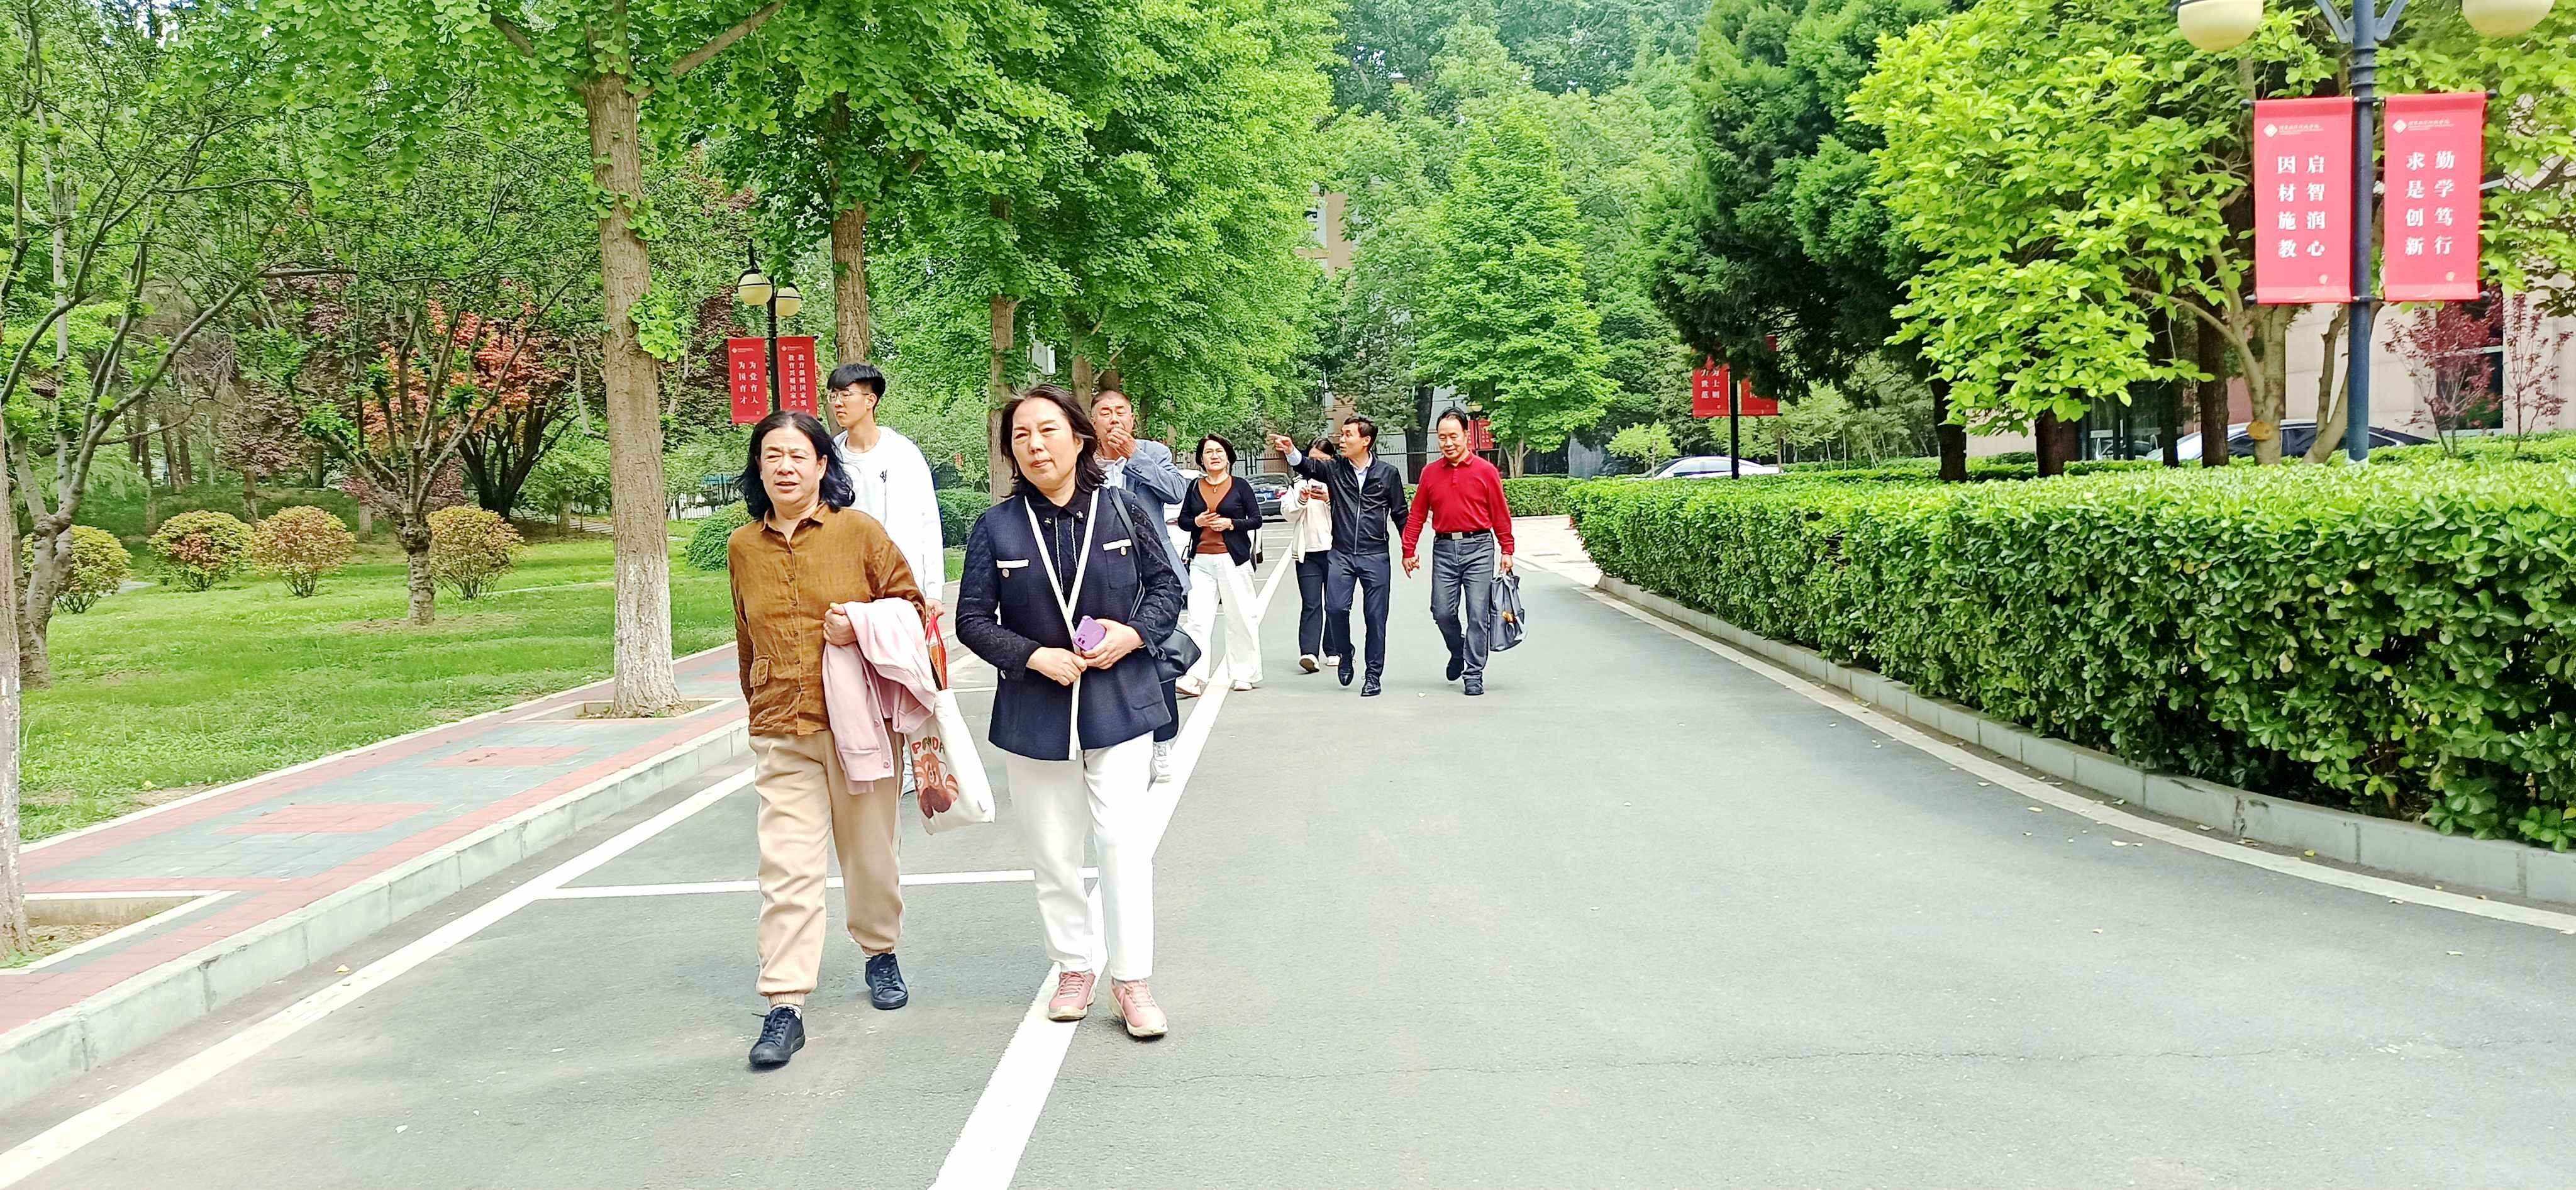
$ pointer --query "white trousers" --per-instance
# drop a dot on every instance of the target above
(1104, 797)
(1212, 576)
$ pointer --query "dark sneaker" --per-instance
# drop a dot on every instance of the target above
(1457, 666)
(1475, 687)
(885, 983)
(1369, 688)
(782, 1033)
(1346, 671)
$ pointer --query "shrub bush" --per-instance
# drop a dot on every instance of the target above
(706, 549)
(2394, 639)
(1537, 495)
(958, 508)
(2536, 448)
(301, 545)
(100, 564)
(200, 549)
(468, 548)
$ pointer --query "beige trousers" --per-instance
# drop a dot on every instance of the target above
(803, 824)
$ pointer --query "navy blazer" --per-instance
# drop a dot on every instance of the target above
(1007, 611)
(1239, 505)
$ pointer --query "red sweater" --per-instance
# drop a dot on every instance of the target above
(1460, 497)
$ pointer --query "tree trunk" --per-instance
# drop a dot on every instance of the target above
(2054, 436)
(2267, 378)
(644, 683)
(14, 934)
(2209, 350)
(366, 520)
(998, 393)
(1520, 459)
(1953, 438)
(412, 530)
(143, 452)
(1086, 384)
(853, 325)
(2333, 413)
(250, 495)
(173, 450)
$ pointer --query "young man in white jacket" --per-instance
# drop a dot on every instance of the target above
(890, 477)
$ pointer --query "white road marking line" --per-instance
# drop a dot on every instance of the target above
(602, 892)
(64, 1139)
(2078, 804)
(988, 1148)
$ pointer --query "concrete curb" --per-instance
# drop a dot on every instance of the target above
(2404, 849)
(40, 1053)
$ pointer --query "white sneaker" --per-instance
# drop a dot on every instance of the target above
(1162, 760)
(1306, 661)
(1333, 662)
(1242, 684)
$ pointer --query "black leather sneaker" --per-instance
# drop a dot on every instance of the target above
(1475, 687)
(782, 1033)
(1346, 671)
(1369, 688)
(1457, 666)
(885, 983)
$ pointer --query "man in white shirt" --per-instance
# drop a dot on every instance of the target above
(889, 478)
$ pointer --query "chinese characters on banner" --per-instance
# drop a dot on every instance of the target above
(798, 383)
(2302, 200)
(2436, 156)
(747, 376)
(1754, 406)
(1708, 389)
(1484, 434)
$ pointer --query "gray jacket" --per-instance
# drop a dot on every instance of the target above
(1153, 478)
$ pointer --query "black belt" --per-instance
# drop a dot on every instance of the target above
(1462, 533)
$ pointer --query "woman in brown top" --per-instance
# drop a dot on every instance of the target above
(1223, 516)
(805, 552)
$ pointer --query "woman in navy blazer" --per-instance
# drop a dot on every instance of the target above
(1075, 723)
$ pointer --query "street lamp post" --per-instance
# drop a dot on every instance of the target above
(2225, 24)
(782, 301)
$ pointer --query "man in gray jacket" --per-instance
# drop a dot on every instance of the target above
(1144, 467)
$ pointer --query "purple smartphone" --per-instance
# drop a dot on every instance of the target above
(1088, 634)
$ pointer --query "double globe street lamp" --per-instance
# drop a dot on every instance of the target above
(782, 301)
(2216, 25)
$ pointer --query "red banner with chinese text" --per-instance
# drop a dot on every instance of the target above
(1753, 406)
(2303, 200)
(800, 385)
(747, 377)
(1708, 389)
(2436, 157)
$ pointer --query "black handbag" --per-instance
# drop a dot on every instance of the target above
(1176, 654)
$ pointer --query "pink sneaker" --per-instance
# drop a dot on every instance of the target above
(1072, 999)
(1145, 1020)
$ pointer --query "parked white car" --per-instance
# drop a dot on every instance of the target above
(1710, 467)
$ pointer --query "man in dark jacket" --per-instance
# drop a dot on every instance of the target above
(1368, 498)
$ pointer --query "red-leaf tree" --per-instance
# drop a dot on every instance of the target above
(2451, 346)
(521, 370)
(2532, 398)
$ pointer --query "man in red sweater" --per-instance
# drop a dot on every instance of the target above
(1463, 497)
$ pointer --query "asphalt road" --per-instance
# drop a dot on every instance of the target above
(1638, 917)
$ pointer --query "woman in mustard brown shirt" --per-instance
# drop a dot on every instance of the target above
(805, 552)
(1221, 516)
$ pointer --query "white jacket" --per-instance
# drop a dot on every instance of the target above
(892, 484)
(1313, 519)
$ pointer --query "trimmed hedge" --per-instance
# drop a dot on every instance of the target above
(1538, 495)
(2393, 639)
(1928, 470)
(706, 548)
(2537, 448)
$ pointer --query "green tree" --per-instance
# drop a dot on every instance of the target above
(1504, 317)
(1567, 45)
(1649, 445)
(381, 63)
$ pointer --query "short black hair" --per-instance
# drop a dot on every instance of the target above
(1088, 473)
(1456, 415)
(837, 491)
(849, 374)
(1219, 439)
(1368, 429)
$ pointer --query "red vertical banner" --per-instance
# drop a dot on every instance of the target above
(799, 384)
(1756, 406)
(747, 376)
(1708, 390)
(1484, 434)
(2303, 201)
(2436, 158)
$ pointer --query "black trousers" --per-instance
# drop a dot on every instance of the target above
(1311, 571)
(1372, 572)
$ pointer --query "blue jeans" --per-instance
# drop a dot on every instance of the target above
(1462, 576)
(1373, 572)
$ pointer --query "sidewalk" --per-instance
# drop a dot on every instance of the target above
(251, 857)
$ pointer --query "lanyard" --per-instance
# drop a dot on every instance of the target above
(1081, 562)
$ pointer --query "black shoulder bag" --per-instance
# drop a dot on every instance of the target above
(1176, 653)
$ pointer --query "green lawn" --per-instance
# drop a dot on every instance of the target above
(161, 688)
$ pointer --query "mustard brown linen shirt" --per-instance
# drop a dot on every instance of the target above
(781, 589)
